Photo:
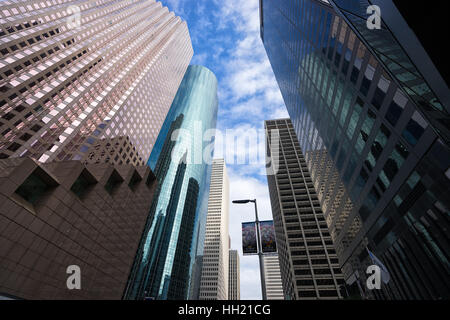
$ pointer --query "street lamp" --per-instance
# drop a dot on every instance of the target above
(258, 240)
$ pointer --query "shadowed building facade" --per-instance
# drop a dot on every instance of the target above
(373, 127)
(62, 214)
(234, 287)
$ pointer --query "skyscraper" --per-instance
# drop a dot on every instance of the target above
(308, 261)
(78, 76)
(272, 275)
(234, 286)
(373, 132)
(85, 88)
(214, 278)
(174, 232)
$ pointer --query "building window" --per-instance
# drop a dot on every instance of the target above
(393, 113)
(36, 186)
(365, 86)
(360, 183)
(395, 161)
(414, 129)
(354, 75)
(369, 204)
(378, 98)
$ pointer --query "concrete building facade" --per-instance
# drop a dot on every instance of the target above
(272, 275)
(234, 285)
(308, 261)
(215, 269)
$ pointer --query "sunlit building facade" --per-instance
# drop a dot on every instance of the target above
(272, 276)
(215, 269)
(174, 234)
(373, 137)
(77, 76)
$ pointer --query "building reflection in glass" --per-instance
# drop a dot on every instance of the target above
(174, 232)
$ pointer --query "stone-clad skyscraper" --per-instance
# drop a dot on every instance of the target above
(77, 75)
(308, 262)
(85, 87)
(371, 114)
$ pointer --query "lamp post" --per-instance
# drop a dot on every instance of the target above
(260, 253)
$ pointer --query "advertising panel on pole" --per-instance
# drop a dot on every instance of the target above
(249, 245)
(267, 232)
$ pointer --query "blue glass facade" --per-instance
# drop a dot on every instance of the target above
(412, 69)
(173, 235)
(377, 160)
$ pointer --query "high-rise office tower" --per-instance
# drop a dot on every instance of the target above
(215, 268)
(234, 285)
(168, 257)
(84, 90)
(77, 76)
(272, 276)
(372, 121)
(308, 261)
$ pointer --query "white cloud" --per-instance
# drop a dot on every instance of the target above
(248, 95)
(200, 59)
(249, 85)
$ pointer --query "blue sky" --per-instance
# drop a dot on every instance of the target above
(225, 37)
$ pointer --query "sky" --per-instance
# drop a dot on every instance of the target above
(225, 38)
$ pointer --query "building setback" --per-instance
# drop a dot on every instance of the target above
(308, 262)
(234, 286)
(76, 76)
(272, 275)
(372, 121)
(214, 278)
(62, 214)
(171, 246)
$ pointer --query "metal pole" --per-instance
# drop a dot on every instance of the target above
(260, 254)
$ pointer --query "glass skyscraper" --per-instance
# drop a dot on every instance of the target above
(376, 149)
(175, 227)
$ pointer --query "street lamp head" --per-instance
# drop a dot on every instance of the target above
(244, 201)
(241, 201)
